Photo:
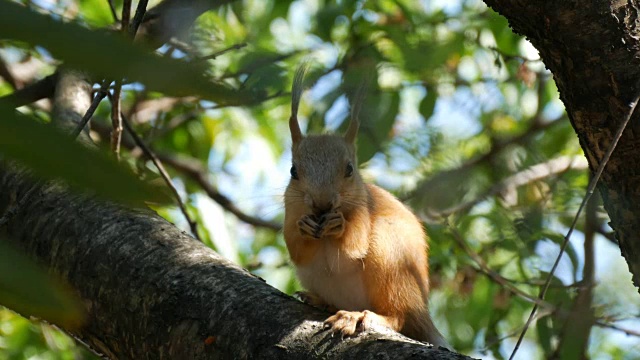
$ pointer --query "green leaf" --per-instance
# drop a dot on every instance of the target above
(378, 115)
(108, 55)
(569, 250)
(428, 104)
(27, 289)
(51, 154)
(543, 329)
(96, 12)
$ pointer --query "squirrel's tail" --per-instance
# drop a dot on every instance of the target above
(421, 327)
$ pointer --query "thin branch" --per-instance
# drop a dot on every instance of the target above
(532, 174)
(603, 324)
(126, 15)
(193, 169)
(113, 10)
(31, 93)
(116, 113)
(196, 172)
(508, 57)
(151, 155)
(590, 189)
(174, 123)
(609, 235)
(261, 63)
(100, 94)
(116, 119)
(580, 319)
(223, 51)
(137, 18)
(489, 272)
(182, 46)
(496, 147)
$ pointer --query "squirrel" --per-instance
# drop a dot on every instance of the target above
(356, 248)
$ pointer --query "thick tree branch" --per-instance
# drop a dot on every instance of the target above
(152, 292)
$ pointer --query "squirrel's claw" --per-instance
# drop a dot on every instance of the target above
(332, 224)
(347, 323)
(308, 226)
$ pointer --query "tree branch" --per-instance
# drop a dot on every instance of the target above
(151, 155)
(193, 169)
(151, 292)
(534, 173)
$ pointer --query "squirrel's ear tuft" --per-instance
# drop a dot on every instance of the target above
(296, 94)
(354, 123)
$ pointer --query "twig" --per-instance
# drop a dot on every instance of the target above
(182, 46)
(151, 155)
(197, 173)
(609, 235)
(590, 189)
(116, 119)
(580, 319)
(116, 113)
(511, 56)
(260, 63)
(193, 169)
(496, 148)
(529, 175)
(126, 15)
(489, 272)
(138, 17)
(33, 92)
(223, 51)
(603, 324)
(100, 94)
(113, 10)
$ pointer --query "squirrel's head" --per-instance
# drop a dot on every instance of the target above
(324, 169)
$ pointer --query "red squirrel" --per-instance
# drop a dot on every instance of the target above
(355, 247)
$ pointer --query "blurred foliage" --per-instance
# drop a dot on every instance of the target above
(455, 104)
(26, 288)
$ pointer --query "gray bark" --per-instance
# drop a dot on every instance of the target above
(152, 292)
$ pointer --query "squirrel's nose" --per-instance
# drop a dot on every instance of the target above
(321, 208)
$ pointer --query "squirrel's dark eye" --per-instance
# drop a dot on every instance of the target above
(349, 170)
(294, 172)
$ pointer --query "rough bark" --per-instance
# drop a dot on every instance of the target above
(152, 292)
(592, 49)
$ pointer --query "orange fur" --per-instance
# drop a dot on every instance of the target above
(355, 246)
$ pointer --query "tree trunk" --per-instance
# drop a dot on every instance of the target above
(592, 49)
(152, 292)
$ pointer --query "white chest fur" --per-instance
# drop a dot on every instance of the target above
(336, 279)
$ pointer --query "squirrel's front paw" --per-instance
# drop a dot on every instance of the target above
(332, 224)
(307, 225)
